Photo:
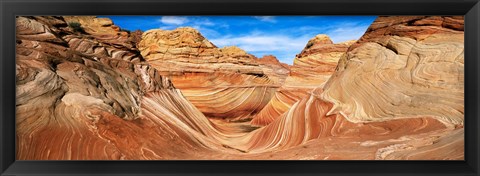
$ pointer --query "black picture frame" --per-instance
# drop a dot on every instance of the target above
(11, 8)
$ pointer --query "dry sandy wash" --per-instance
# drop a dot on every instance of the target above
(87, 89)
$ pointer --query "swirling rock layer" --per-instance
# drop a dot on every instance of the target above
(311, 69)
(397, 93)
(224, 82)
(307, 120)
(104, 31)
(77, 98)
(401, 66)
(280, 103)
(316, 63)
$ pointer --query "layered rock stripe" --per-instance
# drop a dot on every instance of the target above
(103, 93)
(224, 82)
(311, 68)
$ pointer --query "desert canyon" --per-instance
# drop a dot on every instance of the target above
(103, 93)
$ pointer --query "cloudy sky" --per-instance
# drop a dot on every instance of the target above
(281, 36)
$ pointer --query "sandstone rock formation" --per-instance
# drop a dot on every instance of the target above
(401, 65)
(397, 93)
(222, 82)
(283, 99)
(317, 62)
(273, 68)
(398, 68)
(81, 98)
(307, 120)
(312, 67)
(103, 30)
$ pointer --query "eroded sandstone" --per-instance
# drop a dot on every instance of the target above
(104, 93)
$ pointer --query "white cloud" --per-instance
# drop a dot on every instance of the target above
(203, 22)
(206, 32)
(284, 43)
(342, 34)
(284, 47)
(167, 27)
(174, 20)
(270, 19)
(261, 43)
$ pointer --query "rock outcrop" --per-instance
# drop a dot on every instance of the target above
(401, 66)
(384, 82)
(317, 62)
(312, 67)
(90, 93)
(81, 98)
(224, 82)
(283, 99)
(308, 120)
(102, 29)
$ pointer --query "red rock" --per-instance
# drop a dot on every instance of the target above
(224, 82)
(317, 62)
(92, 96)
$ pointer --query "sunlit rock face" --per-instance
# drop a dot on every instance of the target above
(78, 98)
(375, 102)
(397, 93)
(281, 102)
(224, 82)
(402, 67)
(307, 123)
(103, 30)
(314, 65)
(274, 69)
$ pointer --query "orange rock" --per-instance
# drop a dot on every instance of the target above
(79, 98)
(83, 96)
(317, 62)
(102, 29)
(224, 82)
(312, 68)
(397, 68)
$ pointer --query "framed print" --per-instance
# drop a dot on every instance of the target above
(239, 87)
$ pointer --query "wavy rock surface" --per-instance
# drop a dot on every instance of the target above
(307, 120)
(82, 97)
(316, 63)
(283, 99)
(77, 99)
(398, 68)
(104, 31)
(377, 98)
(311, 68)
(224, 82)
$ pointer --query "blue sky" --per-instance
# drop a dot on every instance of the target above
(281, 36)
